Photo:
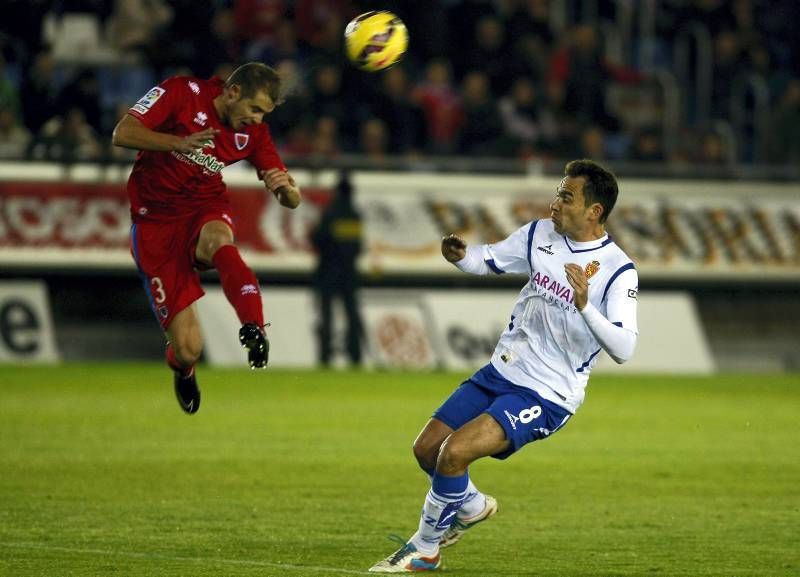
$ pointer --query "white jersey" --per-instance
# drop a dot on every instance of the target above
(547, 345)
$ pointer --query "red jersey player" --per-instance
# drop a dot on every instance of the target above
(187, 130)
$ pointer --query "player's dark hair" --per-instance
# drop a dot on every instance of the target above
(255, 76)
(600, 184)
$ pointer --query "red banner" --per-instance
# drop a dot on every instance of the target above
(96, 216)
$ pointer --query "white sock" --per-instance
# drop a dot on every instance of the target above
(474, 502)
(439, 511)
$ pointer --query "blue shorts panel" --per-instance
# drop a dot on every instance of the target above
(524, 415)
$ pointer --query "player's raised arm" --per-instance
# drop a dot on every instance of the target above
(618, 333)
(507, 256)
(282, 185)
(131, 133)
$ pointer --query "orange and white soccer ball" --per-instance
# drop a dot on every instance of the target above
(375, 40)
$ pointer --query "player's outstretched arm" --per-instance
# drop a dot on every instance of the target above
(282, 185)
(131, 133)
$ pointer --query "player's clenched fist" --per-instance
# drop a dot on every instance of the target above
(453, 248)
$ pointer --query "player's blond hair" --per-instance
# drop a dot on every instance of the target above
(255, 76)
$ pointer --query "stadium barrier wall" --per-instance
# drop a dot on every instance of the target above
(453, 330)
(674, 230)
(26, 324)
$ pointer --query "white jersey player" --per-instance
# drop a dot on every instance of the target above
(580, 298)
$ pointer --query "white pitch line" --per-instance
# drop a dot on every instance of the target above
(221, 561)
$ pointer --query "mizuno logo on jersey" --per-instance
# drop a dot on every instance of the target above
(547, 249)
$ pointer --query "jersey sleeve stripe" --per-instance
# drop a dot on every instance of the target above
(496, 269)
(530, 243)
(589, 360)
(614, 276)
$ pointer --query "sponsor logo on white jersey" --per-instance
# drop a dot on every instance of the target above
(146, 102)
(547, 249)
(201, 118)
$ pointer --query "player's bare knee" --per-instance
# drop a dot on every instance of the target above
(425, 453)
(454, 457)
(209, 244)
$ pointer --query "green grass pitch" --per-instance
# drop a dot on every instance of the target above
(305, 473)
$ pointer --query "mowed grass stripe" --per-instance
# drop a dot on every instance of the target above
(308, 469)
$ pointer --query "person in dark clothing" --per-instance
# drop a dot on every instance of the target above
(337, 240)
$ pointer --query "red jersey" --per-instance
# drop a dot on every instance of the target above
(174, 184)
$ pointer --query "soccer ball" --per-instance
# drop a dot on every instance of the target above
(375, 40)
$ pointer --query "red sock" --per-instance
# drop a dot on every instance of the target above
(175, 365)
(239, 284)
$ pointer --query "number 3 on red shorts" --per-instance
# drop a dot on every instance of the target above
(158, 289)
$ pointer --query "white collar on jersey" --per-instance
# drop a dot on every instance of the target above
(575, 246)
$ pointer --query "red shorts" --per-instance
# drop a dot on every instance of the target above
(164, 252)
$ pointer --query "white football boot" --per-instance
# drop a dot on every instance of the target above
(460, 526)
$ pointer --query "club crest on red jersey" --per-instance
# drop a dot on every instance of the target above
(241, 140)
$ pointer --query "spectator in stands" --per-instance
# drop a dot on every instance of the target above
(403, 117)
(592, 143)
(136, 26)
(482, 127)
(328, 98)
(728, 64)
(257, 21)
(489, 52)
(647, 146)
(222, 46)
(82, 93)
(314, 20)
(337, 240)
(784, 142)
(39, 93)
(326, 138)
(285, 47)
(584, 76)
(712, 149)
(529, 124)
(14, 138)
(441, 104)
(9, 95)
(531, 17)
(67, 138)
(374, 140)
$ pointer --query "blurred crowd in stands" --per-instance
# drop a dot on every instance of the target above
(608, 79)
